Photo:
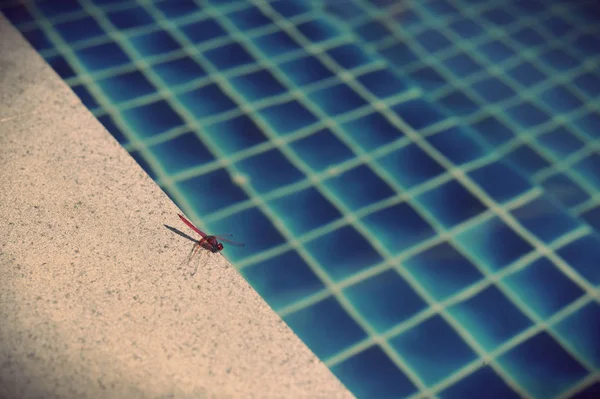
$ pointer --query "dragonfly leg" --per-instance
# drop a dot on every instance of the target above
(196, 250)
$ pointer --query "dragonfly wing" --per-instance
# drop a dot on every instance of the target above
(191, 226)
(234, 243)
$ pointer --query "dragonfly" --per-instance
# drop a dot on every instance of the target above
(211, 243)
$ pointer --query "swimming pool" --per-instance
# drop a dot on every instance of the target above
(416, 182)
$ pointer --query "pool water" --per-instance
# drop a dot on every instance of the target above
(417, 182)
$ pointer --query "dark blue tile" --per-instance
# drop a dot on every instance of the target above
(433, 350)
(493, 90)
(583, 255)
(398, 227)
(269, 170)
(528, 115)
(17, 14)
(494, 244)
(130, 18)
(290, 8)
(587, 44)
(181, 153)
(211, 192)
(338, 99)
(141, 160)
(152, 119)
(79, 29)
(345, 11)
(110, 125)
(359, 187)
(530, 8)
(589, 392)
(589, 83)
(528, 38)
(343, 252)
(38, 39)
(306, 70)
(526, 160)
(206, 101)
(305, 210)
(462, 65)
(592, 217)
(493, 131)
(545, 220)
(349, 56)
(490, 328)
(410, 166)
(418, 113)
(372, 131)
(57, 8)
(321, 150)
(372, 31)
(276, 43)
(451, 204)
(466, 28)
(61, 66)
(440, 8)
(559, 60)
(383, 83)
(428, 79)
(318, 30)
(457, 145)
(179, 8)
(581, 330)
(337, 330)
(287, 117)
(154, 43)
(555, 369)
(249, 18)
(543, 288)
(496, 51)
(483, 383)
(527, 74)
(229, 56)
(498, 16)
(560, 142)
(557, 26)
(560, 100)
(385, 300)
(442, 271)
(102, 56)
(203, 31)
(433, 41)
(399, 55)
(589, 169)
(500, 181)
(459, 103)
(85, 96)
(235, 134)
(258, 85)
(179, 71)
(589, 124)
(372, 374)
(283, 280)
(126, 86)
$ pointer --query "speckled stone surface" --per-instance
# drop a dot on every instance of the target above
(93, 301)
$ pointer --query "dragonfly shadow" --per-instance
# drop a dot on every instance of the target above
(181, 233)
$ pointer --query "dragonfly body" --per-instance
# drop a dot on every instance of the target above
(207, 242)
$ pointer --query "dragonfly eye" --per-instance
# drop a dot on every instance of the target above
(219, 246)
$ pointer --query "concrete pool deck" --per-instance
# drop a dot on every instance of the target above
(93, 301)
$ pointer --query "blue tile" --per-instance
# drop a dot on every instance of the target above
(528, 115)
(126, 86)
(152, 119)
(211, 192)
(337, 330)
(398, 227)
(269, 170)
(527, 74)
(545, 220)
(383, 83)
(338, 99)
(543, 288)
(61, 66)
(428, 79)
(306, 70)
(589, 169)
(287, 117)
(589, 124)
(581, 330)
(500, 181)
(179, 71)
(440, 8)
(583, 255)
(560, 142)
(557, 26)
(399, 55)
(154, 43)
(18, 14)
(283, 280)
(206, 101)
(498, 16)
(38, 39)
(555, 369)
(442, 271)
(483, 383)
(587, 44)
(589, 83)
(249, 18)
(179, 8)
(252, 227)
(343, 252)
(321, 150)
(459, 103)
(496, 51)
(560, 99)
(141, 160)
(457, 145)
(592, 217)
(346, 10)
(203, 31)
(564, 190)
(559, 60)
(494, 244)
(528, 37)
(258, 85)
(589, 392)
(181, 153)
(531, 8)
(235, 134)
(110, 125)
(410, 166)
(466, 28)
(102, 56)
(79, 29)
(372, 131)
(489, 328)
(85, 96)
(462, 65)
(305, 210)
(372, 374)
(493, 90)
(359, 187)
(318, 30)
(493, 131)
(276, 43)
(385, 300)
(418, 113)
(349, 56)
(433, 41)
(229, 56)
(57, 8)
(130, 18)
(290, 8)
(527, 160)
(372, 31)
(433, 350)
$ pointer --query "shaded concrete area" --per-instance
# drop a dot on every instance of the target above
(93, 301)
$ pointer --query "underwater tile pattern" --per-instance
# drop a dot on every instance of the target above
(417, 182)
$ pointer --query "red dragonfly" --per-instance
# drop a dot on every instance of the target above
(207, 242)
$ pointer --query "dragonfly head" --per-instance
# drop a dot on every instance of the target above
(219, 247)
